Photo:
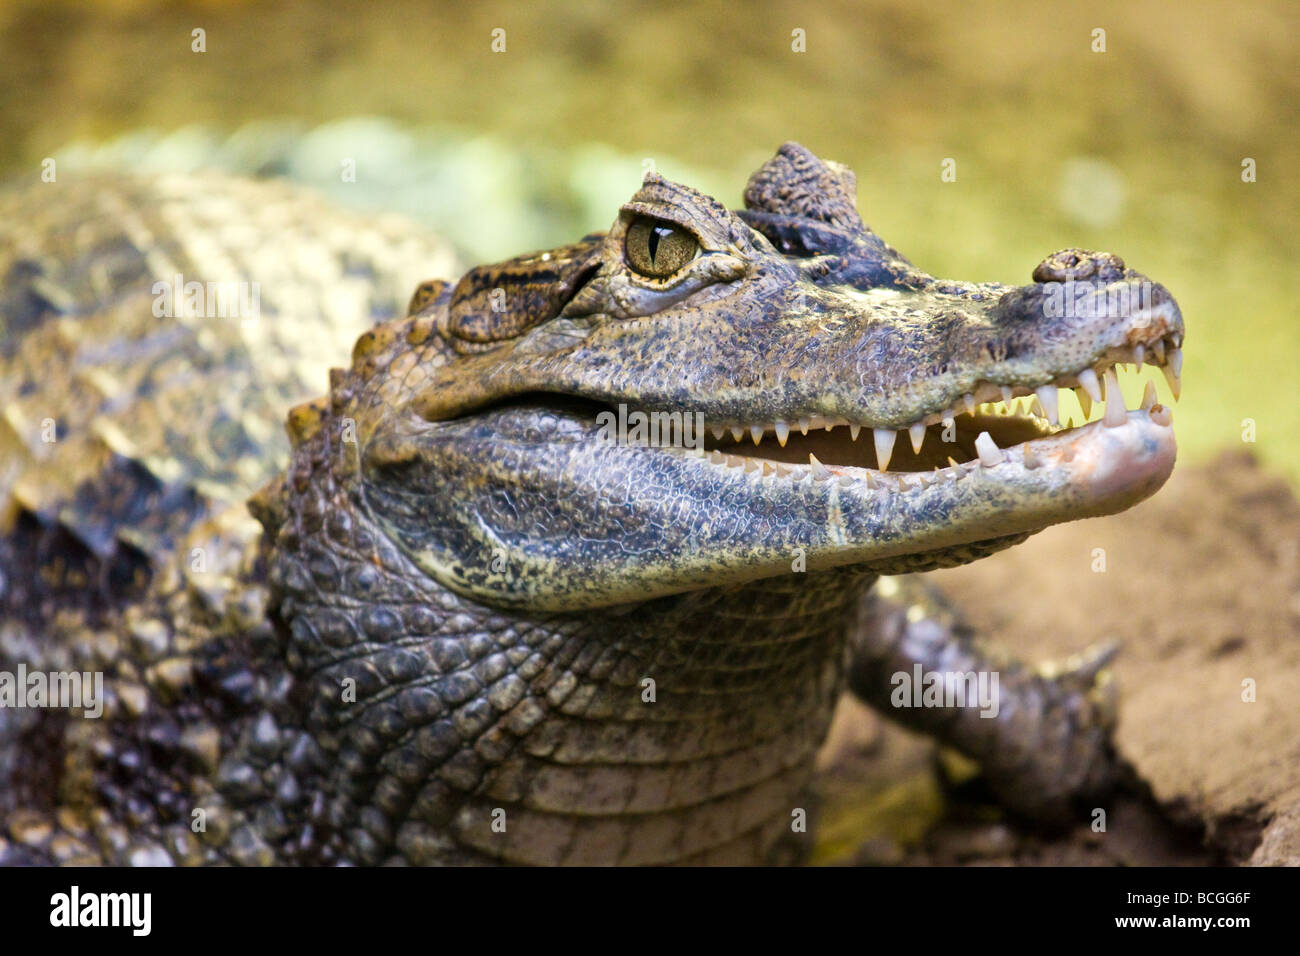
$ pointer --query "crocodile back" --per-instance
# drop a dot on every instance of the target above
(153, 333)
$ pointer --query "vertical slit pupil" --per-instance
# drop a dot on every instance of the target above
(656, 233)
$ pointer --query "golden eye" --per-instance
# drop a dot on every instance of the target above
(657, 248)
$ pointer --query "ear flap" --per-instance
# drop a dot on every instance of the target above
(498, 302)
(802, 204)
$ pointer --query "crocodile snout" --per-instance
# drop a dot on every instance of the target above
(1079, 264)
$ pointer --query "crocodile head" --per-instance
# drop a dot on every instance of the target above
(704, 397)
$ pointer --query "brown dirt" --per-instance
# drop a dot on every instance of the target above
(1202, 584)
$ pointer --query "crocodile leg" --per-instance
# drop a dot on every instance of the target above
(1044, 745)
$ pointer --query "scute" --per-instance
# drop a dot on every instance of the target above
(93, 378)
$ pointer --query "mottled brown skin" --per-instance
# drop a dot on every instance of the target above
(476, 631)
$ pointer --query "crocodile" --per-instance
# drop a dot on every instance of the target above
(575, 558)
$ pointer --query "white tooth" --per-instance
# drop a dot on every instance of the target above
(989, 452)
(1116, 414)
(718, 458)
(1162, 415)
(1175, 384)
(803, 426)
(829, 425)
(737, 432)
(1159, 349)
(884, 438)
(782, 433)
(1176, 361)
(1088, 379)
(1085, 402)
(1047, 395)
(847, 481)
(718, 432)
(1139, 356)
(756, 432)
(917, 434)
(820, 471)
(969, 401)
(1032, 460)
(853, 431)
(953, 462)
(1006, 394)
(1149, 395)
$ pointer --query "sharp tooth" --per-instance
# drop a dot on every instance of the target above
(1159, 349)
(869, 481)
(1088, 379)
(1162, 415)
(953, 462)
(1032, 460)
(1149, 395)
(884, 438)
(1175, 384)
(829, 424)
(1139, 356)
(989, 452)
(718, 431)
(1006, 394)
(853, 431)
(917, 434)
(737, 432)
(1116, 414)
(718, 458)
(969, 401)
(753, 464)
(1176, 361)
(1047, 395)
(1085, 402)
(756, 432)
(803, 426)
(819, 470)
(782, 433)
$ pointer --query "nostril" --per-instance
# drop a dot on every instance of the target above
(1079, 264)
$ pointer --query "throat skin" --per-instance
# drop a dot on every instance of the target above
(680, 729)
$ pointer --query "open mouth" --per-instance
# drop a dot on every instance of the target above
(992, 424)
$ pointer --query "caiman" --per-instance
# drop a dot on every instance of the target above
(473, 620)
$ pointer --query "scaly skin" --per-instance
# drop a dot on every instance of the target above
(478, 630)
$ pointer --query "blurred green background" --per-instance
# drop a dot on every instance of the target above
(1137, 150)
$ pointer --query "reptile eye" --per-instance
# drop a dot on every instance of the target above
(657, 248)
